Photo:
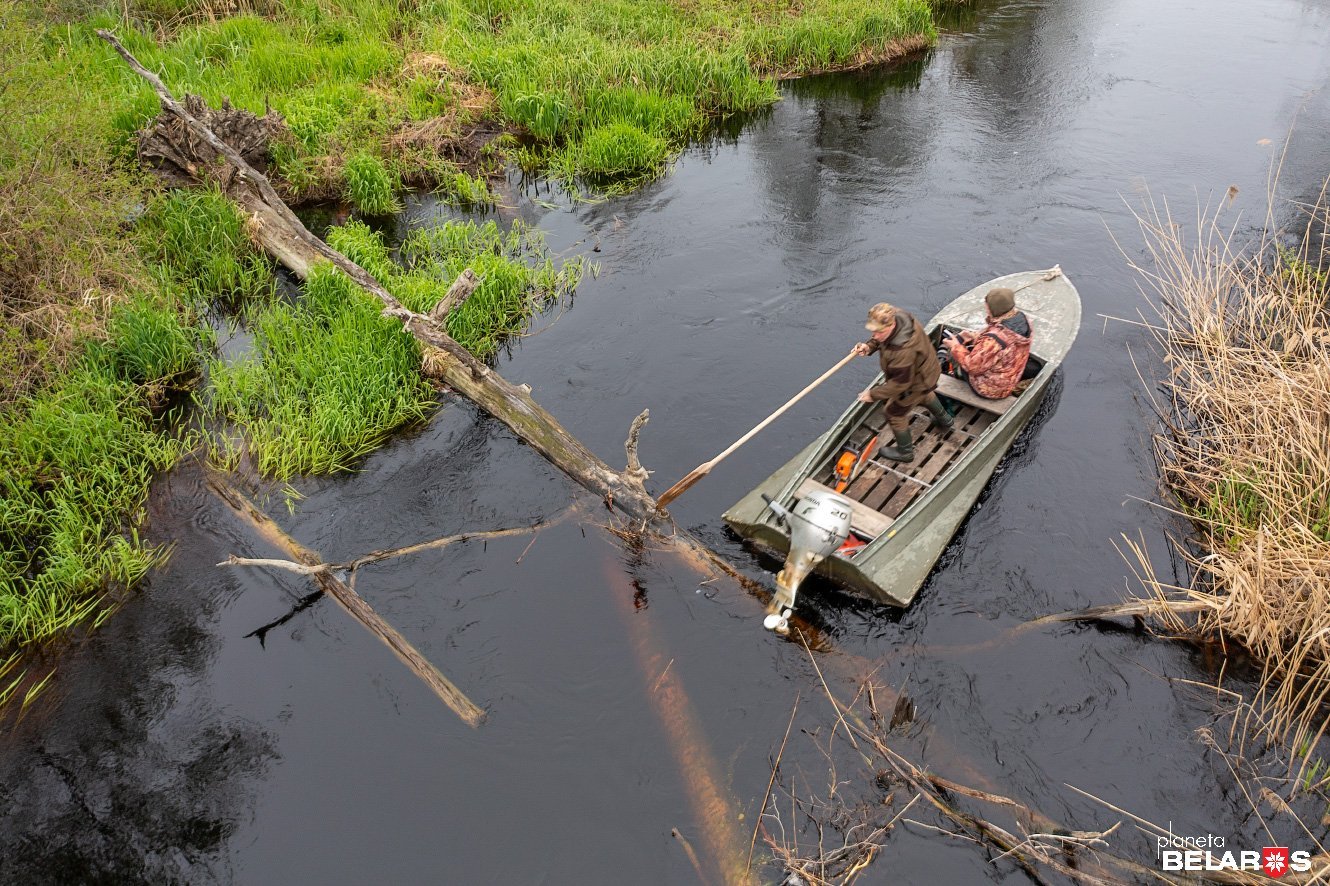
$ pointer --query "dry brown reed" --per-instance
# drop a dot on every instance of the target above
(1244, 447)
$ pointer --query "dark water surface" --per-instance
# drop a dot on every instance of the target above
(176, 749)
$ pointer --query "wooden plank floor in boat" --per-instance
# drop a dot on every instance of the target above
(889, 487)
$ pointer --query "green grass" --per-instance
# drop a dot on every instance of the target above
(199, 252)
(607, 89)
(332, 377)
(371, 187)
(617, 151)
(517, 275)
(149, 343)
(611, 87)
(467, 190)
(64, 260)
(78, 459)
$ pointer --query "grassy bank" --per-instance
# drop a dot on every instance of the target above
(377, 93)
(1245, 334)
(108, 284)
(80, 449)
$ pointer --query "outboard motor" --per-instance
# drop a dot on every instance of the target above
(818, 525)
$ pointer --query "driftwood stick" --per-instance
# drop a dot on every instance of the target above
(443, 542)
(352, 602)
(1140, 609)
(288, 565)
(775, 768)
(692, 856)
(459, 292)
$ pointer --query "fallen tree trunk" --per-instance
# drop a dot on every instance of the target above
(285, 238)
(310, 564)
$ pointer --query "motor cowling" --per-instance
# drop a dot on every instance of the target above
(818, 525)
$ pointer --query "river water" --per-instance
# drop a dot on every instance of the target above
(175, 748)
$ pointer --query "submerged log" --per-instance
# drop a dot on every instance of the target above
(309, 563)
(1136, 609)
(697, 763)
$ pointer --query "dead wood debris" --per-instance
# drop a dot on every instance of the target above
(176, 153)
(832, 836)
(308, 563)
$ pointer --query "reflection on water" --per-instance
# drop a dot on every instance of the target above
(179, 748)
(127, 774)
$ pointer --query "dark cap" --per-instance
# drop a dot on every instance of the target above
(1000, 301)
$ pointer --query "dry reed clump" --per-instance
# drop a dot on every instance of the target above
(1245, 449)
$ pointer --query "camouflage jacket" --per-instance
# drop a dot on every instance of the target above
(995, 358)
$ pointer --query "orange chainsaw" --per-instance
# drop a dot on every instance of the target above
(851, 461)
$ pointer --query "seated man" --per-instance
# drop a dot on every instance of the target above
(911, 371)
(994, 358)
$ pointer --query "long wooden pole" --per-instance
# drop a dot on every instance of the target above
(703, 469)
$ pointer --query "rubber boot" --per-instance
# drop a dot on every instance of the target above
(902, 451)
(942, 419)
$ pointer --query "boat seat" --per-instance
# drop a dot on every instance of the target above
(863, 520)
(954, 389)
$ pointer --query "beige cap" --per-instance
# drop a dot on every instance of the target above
(880, 316)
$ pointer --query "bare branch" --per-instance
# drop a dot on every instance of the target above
(352, 602)
(288, 565)
(459, 292)
(635, 472)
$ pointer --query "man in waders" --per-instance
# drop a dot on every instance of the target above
(910, 371)
(993, 360)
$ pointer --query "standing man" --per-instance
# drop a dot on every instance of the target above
(994, 359)
(910, 370)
